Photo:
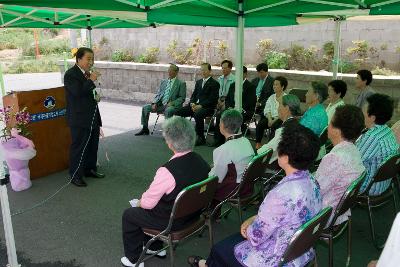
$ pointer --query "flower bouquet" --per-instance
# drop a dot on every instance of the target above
(18, 149)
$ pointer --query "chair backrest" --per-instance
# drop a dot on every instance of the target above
(306, 236)
(388, 169)
(256, 168)
(194, 198)
(349, 197)
(323, 137)
(300, 93)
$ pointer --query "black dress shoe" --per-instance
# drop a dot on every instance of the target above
(94, 174)
(78, 182)
(144, 131)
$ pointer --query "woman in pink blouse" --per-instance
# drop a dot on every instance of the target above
(295, 200)
(343, 164)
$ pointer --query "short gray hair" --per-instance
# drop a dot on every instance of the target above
(293, 102)
(232, 120)
(321, 90)
(179, 133)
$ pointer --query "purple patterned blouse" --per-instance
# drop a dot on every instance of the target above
(295, 200)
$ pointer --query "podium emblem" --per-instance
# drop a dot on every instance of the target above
(49, 102)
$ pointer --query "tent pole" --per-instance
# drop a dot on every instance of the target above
(5, 206)
(90, 38)
(239, 58)
(336, 55)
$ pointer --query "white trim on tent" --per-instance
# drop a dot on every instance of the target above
(269, 6)
(385, 3)
(70, 18)
(329, 3)
(219, 6)
(1, 18)
(26, 16)
(156, 6)
(17, 18)
(105, 23)
(126, 2)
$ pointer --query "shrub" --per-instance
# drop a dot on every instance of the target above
(150, 56)
(304, 58)
(121, 56)
(48, 47)
(383, 71)
(264, 46)
(15, 38)
(43, 64)
(179, 55)
(222, 50)
(277, 60)
(348, 66)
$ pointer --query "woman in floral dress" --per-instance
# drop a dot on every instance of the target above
(264, 238)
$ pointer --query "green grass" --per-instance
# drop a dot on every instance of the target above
(32, 65)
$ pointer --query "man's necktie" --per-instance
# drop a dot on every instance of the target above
(202, 84)
(259, 87)
(87, 74)
(166, 93)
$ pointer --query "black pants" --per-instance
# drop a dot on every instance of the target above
(198, 116)
(263, 125)
(133, 220)
(80, 137)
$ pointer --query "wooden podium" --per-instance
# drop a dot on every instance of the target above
(48, 127)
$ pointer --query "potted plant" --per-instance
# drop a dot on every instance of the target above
(18, 149)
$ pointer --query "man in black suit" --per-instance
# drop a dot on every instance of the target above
(202, 103)
(264, 86)
(83, 117)
(249, 100)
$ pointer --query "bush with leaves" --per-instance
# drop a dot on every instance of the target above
(121, 56)
(222, 50)
(48, 47)
(150, 56)
(301, 58)
(264, 46)
(277, 60)
(179, 55)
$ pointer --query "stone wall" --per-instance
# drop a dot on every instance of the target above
(136, 82)
(378, 33)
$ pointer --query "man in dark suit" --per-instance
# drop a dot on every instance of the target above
(264, 86)
(202, 103)
(83, 117)
(169, 98)
(249, 100)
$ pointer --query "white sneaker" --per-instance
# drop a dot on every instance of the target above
(161, 254)
(126, 262)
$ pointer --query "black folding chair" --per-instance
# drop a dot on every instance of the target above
(254, 171)
(306, 236)
(192, 199)
(347, 201)
(387, 170)
(155, 124)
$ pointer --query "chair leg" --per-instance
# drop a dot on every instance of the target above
(371, 224)
(209, 125)
(155, 124)
(394, 198)
(171, 251)
(348, 242)
(330, 245)
(210, 234)
(240, 212)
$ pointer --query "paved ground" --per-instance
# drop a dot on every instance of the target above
(82, 226)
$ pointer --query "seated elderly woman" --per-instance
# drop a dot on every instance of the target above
(154, 208)
(295, 200)
(231, 158)
(378, 142)
(336, 91)
(288, 111)
(315, 118)
(339, 168)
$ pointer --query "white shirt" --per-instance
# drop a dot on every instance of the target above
(331, 108)
(271, 106)
(237, 151)
(390, 255)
